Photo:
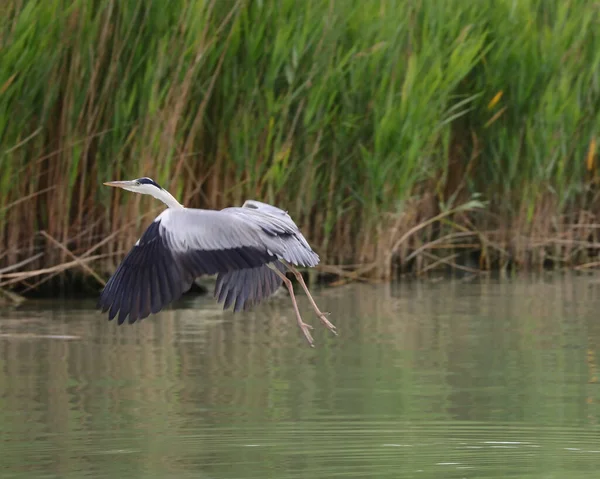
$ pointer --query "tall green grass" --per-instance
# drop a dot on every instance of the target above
(364, 119)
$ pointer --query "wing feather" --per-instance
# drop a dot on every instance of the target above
(218, 286)
(175, 249)
(247, 287)
(278, 232)
(145, 295)
(155, 299)
(182, 244)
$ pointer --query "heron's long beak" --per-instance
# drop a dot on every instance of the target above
(119, 184)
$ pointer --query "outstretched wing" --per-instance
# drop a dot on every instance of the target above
(177, 247)
(182, 244)
(278, 232)
(246, 288)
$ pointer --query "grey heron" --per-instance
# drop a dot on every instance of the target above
(248, 247)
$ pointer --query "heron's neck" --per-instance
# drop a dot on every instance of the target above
(167, 198)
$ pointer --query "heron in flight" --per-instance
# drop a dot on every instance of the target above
(249, 248)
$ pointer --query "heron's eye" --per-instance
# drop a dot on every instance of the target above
(137, 183)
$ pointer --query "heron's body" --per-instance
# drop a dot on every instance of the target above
(248, 247)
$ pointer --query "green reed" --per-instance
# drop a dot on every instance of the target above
(364, 119)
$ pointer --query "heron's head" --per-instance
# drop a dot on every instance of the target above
(147, 186)
(144, 185)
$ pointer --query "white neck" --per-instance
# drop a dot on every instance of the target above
(166, 197)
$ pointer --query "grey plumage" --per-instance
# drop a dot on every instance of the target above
(247, 287)
(248, 247)
(182, 244)
(188, 229)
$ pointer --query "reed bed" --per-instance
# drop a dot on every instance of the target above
(399, 134)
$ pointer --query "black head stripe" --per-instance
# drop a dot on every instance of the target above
(148, 181)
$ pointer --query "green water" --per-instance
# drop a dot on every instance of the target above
(428, 380)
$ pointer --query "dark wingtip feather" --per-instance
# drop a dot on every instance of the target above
(229, 299)
(122, 316)
(112, 312)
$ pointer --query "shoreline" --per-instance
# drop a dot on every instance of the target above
(325, 276)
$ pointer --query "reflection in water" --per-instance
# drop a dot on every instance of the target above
(450, 379)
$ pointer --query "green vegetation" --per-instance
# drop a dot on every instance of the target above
(395, 132)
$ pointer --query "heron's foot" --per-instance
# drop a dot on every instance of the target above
(306, 331)
(325, 321)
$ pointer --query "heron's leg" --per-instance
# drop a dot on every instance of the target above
(303, 326)
(321, 315)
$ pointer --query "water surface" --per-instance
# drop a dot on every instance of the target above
(489, 379)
